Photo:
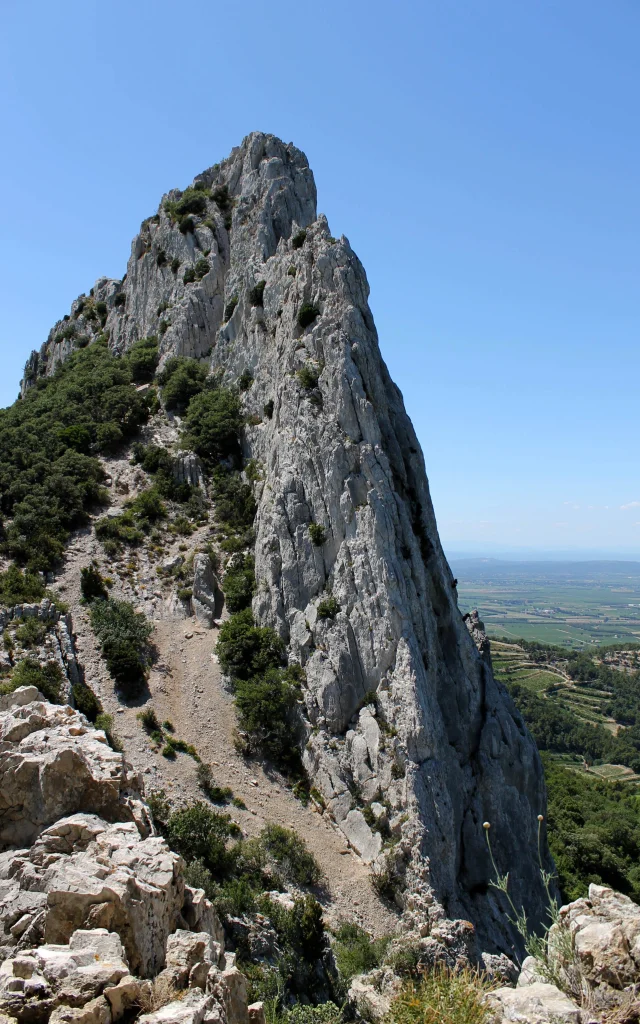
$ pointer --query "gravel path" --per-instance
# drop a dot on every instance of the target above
(186, 687)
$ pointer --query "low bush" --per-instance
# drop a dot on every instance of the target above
(246, 650)
(245, 380)
(256, 294)
(186, 225)
(175, 265)
(105, 722)
(356, 952)
(181, 379)
(202, 267)
(268, 409)
(217, 794)
(442, 996)
(92, 584)
(191, 201)
(328, 608)
(143, 358)
(318, 534)
(239, 582)
(308, 313)
(230, 307)
(119, 300)
(124, 637)
(198, 833)
(149, 720)
(212, 425)
(161, 258)
(48, 678)
(289, 852)
(189, 276)
(298, 239)
(31, 632)
(131, 525)
(308, 377)
(86, 701)
(17, 587)
(265, 706)
(234, 502)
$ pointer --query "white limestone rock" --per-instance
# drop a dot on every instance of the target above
(52, 762)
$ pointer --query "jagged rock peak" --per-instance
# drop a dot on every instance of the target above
(441, 748)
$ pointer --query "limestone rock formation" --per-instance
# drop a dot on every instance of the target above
(327, 427)
(52, 762)
(94, 908)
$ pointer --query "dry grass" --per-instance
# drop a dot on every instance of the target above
(160, 991)
(443, 996)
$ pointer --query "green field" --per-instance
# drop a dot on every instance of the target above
(562, 603)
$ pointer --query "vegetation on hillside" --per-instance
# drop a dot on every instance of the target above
(593, 824)
(49, 474)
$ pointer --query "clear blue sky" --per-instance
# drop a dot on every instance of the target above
(482, 158)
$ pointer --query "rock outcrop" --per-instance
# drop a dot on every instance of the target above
(398, 699)
(96, 922)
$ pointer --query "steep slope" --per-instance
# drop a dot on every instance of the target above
(441, 743)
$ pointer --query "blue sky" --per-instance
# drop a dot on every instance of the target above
(483, 160)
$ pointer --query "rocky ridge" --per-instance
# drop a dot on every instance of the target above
(253, 283)
(96, 921)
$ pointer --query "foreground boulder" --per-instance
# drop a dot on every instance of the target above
(53, 762)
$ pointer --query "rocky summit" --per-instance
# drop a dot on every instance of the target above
(240, 710)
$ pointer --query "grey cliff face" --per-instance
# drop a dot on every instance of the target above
(443, 744)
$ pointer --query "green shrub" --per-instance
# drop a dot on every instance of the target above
(31, 632)
(18, 587)
(48, 481)
(234, 501)
(186, 225)
(222, 199)
(202, 267)
(318, 534)
(92, 584)
(289, 851)
(143, 358)
(239, 582)
(189, 276)
(268, 409)
(324, 1013)
(265, 706)
(198, 833)
(308, 313)
(291, 271)
(298, 239)
(301, 928)
(256, 294)
(124, 635)
(149, 720)
(245, 380)
(161, 258)
(328, 608)
(212, 425)
(217, 794)
(86, 701)
(132, 524)
(245, 650)
(175, 265)
(442, 996)
(356, 952)
(101, 310)
(191, 201)
(181, 379)
(105, 722)
(48, 678)
(308, 377)
(119, 300)
(230, 307)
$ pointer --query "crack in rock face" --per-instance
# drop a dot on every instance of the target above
(400, 708)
